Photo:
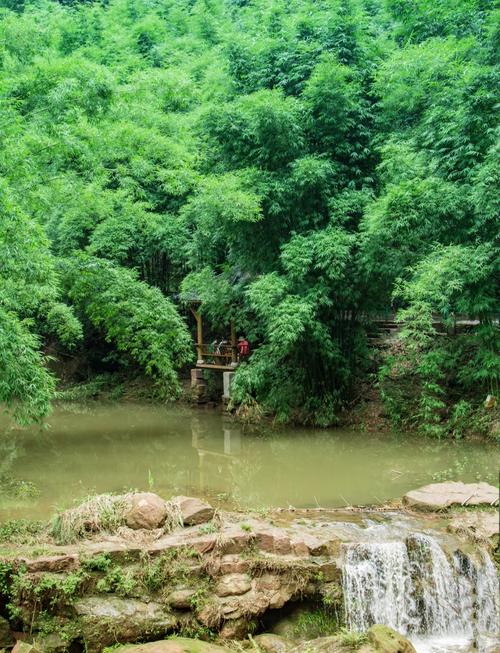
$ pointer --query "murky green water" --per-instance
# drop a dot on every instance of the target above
(105, 448)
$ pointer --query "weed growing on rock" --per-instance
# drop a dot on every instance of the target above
(103, 512)
(174, 564)
(30, 595)
(352, 639)
(209, 528)
(100, 562)
(118, 582)
(317, 623)
(173, 519)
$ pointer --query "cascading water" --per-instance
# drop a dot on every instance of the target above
(414, 587)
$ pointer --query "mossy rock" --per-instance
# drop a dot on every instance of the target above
(174, 645)
(383, 639)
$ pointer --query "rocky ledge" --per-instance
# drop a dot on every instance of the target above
(157, 568)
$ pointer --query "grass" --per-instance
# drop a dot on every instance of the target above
(316, 623)
(103, 512)
(352, 639)
(22, 531)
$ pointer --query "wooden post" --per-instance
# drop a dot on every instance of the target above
(199, 335)
(234, 346)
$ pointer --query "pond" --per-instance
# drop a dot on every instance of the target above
(178, 450)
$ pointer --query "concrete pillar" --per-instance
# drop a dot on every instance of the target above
(227, 379)
(198, 386)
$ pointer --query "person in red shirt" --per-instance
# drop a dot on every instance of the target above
(243, 348)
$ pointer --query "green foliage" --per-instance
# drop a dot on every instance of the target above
(19, 531)
(137, 318)
(118, 582)
(351, 639)
(316, 623)
(295, 166)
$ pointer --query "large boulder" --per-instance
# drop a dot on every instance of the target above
(383, 639)
(233, 584)
(177, 645)
(330, 644)
(440, 496)
(271, 643)
(181, 599)
(104, 620)
(145, 510)
(378, 639)
(194, 511)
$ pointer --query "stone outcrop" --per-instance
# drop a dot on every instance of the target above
(379, 639)
(177, 645)
(271, 643)
(233, 585)
(441, 496)
(181, 599)
(477, 526)
(193, 511)
(104, 620)
(145, 510)
(138, 585)
(383, 639)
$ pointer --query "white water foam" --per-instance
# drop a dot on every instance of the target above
(443, 604)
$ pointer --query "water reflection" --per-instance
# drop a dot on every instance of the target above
(115, 448)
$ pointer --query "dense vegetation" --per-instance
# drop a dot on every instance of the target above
(301, 165)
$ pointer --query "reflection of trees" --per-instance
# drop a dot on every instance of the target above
(10, 450)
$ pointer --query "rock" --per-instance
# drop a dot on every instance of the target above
(267, 582)
(273, 540)
(478, 526)
(273, 643)
(235, 541)
(440, 496)
(194, 511)
(490, 402)
(236, 629)
(383, 639)
(6, 637)
(309, 545)
(287, 625)
(181, 598)
(233, 584)
(275, 591)
(329, 571)
(145, 510)
(24, 647)
(233, 564)
(54, 563)
(177, 645)
(325, 645)
(52, 643)
(130, 619)
(247, 605)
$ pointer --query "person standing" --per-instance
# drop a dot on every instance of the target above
(243, 348)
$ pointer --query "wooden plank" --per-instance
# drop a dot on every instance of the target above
(210, 366)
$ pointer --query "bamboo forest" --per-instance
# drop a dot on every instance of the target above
(249, 326)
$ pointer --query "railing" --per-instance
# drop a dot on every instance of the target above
(217, 354)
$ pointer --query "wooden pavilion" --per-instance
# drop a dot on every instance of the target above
(211, 356)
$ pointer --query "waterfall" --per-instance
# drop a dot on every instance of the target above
(413, 586)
